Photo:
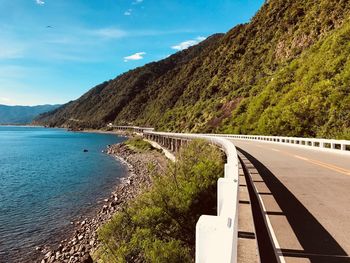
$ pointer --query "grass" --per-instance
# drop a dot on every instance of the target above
(139, 145)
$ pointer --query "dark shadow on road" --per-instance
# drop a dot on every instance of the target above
(312, 236)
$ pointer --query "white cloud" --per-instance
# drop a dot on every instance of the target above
(200, 39)
(136, 56)
(128, 12)
(188, 43)
(40, 2)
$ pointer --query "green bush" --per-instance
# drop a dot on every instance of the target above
(159, 225)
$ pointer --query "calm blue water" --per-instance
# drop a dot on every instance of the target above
(46, 180)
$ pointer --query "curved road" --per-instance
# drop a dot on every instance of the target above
(306, 194)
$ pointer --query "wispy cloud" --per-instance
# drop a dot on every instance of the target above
(73, 43)
(136, 56)
(3, 99)
(128, 12)
(109, 33)
(188, 43)
(40, 2)
(10, 51)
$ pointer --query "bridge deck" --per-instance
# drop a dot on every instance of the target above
(306, 194)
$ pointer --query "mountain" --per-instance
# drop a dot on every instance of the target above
(22, 114)
(286, 72)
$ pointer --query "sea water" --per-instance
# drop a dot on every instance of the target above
(47, 181)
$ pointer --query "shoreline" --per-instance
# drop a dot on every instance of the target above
(119, 133)
(79, 246)
(22, 125)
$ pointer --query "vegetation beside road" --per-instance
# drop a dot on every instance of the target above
(159, 225)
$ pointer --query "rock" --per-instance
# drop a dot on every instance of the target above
(52, 259)
(48, 254)
(72, 250)
(86, 259)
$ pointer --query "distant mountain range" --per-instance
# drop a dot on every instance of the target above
(22, 114)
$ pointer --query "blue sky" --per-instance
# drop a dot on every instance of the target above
(53, 51)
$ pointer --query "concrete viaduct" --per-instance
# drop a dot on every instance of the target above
(282, 199)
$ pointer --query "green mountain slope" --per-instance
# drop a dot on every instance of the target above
(22, 114)
(234, 82)
(308, 97)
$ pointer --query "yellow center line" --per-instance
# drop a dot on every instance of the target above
(325, 165)
(331, 166)
(316, 162)
(319, 163)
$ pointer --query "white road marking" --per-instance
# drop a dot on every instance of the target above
(276, 150)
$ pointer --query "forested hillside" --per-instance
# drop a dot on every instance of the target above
(286, 72)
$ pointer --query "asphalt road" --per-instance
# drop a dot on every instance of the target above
(306, 194)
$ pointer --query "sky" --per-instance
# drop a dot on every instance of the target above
(53, 51)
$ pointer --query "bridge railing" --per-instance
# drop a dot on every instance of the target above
(133, 128)
(314, 143)
(216, 235)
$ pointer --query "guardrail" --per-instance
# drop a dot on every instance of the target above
(323, 144)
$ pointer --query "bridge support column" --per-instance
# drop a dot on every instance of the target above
(178, 145)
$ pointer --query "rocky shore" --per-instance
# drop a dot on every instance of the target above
(83, 243)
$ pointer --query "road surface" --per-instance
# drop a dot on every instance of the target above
(306, 194)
